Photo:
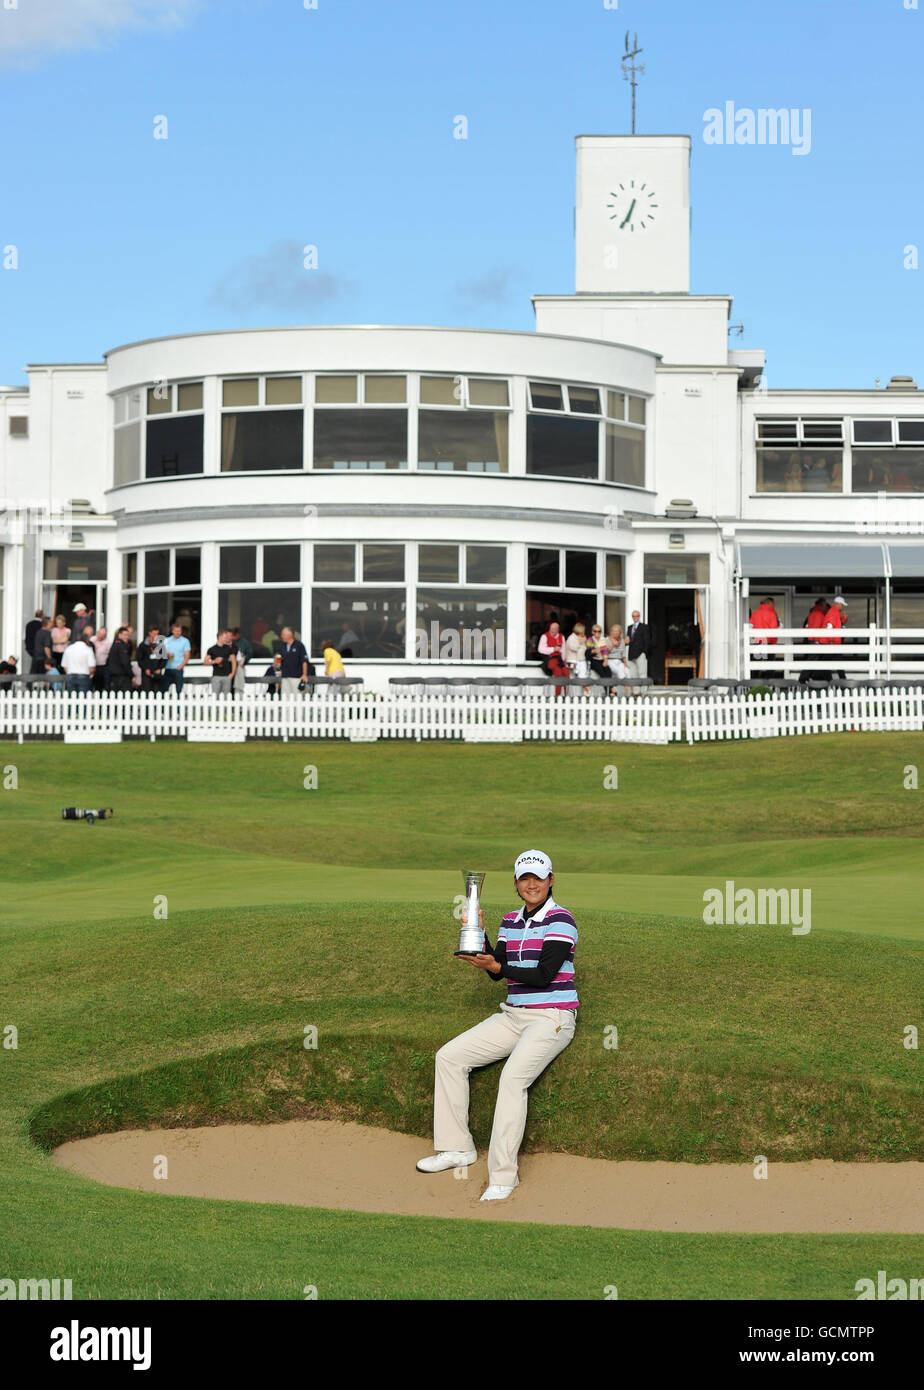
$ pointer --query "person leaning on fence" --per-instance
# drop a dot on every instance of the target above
(152, 660)
(273, 675)
(79, 663)
(223, 662)
(333, 662)
(119, 663)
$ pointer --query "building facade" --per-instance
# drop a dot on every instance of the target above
(424, 496)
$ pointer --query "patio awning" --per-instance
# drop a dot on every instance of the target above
(812, 560)
(907, 561)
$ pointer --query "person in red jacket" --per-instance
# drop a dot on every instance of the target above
(764, 617)
(814, 621)
(835, 619)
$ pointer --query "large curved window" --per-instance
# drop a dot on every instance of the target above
(360, 439)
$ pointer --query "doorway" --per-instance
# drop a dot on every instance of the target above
(675, 622)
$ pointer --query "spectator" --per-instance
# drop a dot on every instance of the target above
(243, 652)
(597, 649)
(102, 643)
(43, 658)
(333, 663)
(60, 636)
(119, 662)
(835, 619)
(348, 636)
(616, 653)
(552, 650)
(294, 662)
(273, 675)
(223, 662)
(763, 618)
(176, 650)
(83, 619)
(32, 627)
(152, 660)
(576, 650)
(79, 665)
(7, 668)
(639, 647)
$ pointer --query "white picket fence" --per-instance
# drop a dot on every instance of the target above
(474, 717)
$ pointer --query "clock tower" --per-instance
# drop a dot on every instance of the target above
(632, 221)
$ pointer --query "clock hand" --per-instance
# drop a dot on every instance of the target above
(627, 216)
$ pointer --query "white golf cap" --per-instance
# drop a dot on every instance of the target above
(533, 861)
(841, 601)
(80, 608)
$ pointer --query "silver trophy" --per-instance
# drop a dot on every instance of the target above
(471, 937)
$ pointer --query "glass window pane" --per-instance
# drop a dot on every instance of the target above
(189, 396)
(625, 455)
(566, 448)
(281, 564)
(802, 470)
(134, 405)
(385, 388)
(336, 562)
(119, 410)
(75, 565)
(334, 390)
(261, 614)
(888, 470)
(472, 442)
(580, 569)
(910, 431)
(545, 396)
(127, 458)
(186, 567)
(823, 430)
(174, 446)
(584, 400)
(485, 391)
(542, 567)
(676, 569)
(485, 564)
(778, 429)
(461, 625)
(369, 623)
(180, 605)
(438, 564)
(872, 431)
(160, 399)
(383, 562)
(130, 570)
(238, 564)
(283, 390)
(616, 405)
(613, 613)
(360, 438)
(261, 440)
(243, 391)
(615, 572)
(637, 410)
(441, 390)
(156, 569)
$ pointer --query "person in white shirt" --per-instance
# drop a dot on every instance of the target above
(79, 664)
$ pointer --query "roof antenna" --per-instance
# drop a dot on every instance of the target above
(632, 68)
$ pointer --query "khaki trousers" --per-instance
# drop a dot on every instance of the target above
(529, 1039)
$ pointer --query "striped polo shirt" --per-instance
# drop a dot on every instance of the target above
(524, 941)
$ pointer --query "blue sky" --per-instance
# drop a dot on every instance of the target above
(333, 127)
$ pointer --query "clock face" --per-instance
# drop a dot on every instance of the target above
(633, 206)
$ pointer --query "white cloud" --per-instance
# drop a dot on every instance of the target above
(36, 28)
(276, 279)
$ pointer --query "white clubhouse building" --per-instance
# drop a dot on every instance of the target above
(424, 496)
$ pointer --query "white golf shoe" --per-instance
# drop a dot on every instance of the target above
(497, 1193)
(448, 1158)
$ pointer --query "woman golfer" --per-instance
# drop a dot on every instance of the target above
(535, 955)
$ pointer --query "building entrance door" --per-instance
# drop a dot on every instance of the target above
(676, 622)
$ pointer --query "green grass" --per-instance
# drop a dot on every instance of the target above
(333, 907)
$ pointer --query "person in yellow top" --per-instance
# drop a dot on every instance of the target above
(333, 662)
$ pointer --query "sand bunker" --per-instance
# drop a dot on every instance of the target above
(324, 1163)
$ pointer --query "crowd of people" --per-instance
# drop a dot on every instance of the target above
(83, 659)
(824, 623)
(618, 655)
